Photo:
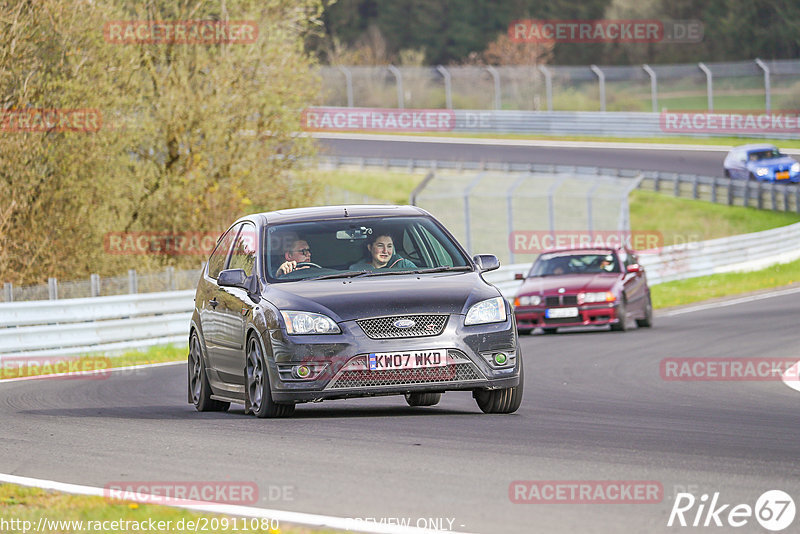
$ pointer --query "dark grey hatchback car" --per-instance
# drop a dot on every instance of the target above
(336, 302)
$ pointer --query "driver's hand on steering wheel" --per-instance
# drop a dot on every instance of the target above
(288, 266)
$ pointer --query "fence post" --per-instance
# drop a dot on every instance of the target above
(467, 192)
(171, 277)
(496, 77)
(653, 86)
(767, 88)
(548, 85)
(730, 192)
(348, 78)
(52, 289)
(714, 190)
(786, 200)
(133, 282)
(772, 198)
(8, 289)
(601, 80)
(448, 87)
(94, 285)
(695, 184)
(747, 193)
(709, 85)
(510, 209)
(676, 191)
(398, 77)
(760, 197)
(657, 182)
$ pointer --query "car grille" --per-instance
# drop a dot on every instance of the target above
(561, 300)
(356, 375)
(384, 328)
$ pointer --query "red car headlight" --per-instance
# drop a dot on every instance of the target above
(592, 298)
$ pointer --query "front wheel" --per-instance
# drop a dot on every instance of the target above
(258, 397)
(506, 400)
(423, 399)
(622, 314)
(647, 321)
(199, 389)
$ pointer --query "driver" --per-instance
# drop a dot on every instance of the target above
(298, 251)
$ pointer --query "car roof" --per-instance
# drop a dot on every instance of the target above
(755, 146)
(333, 212)
(578, 250)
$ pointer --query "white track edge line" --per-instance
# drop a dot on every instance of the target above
(297, 518)
(732, 302)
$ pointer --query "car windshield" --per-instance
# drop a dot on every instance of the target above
(769, 153)
(353, 247)
(566, 264)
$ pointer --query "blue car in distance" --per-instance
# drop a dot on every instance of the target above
(761, 162)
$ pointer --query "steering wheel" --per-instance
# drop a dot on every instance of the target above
(307, 264)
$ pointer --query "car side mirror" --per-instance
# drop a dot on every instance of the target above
(486, 262)
(519, 276)
(233, 278)
(635, 268)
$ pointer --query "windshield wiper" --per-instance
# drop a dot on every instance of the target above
(381, 273)
(345, 274)
(444, 268)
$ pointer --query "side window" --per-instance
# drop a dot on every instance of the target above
(217, 260)
(442, 256)
(243, 255)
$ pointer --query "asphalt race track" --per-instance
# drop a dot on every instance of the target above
(703, 162)
(595, 408)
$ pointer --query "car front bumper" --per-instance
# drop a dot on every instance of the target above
(340, 368)
(529, 318)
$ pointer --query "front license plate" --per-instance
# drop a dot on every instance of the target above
(784, 175)
(561, 313)
(382, 361)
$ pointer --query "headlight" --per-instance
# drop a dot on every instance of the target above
(528, 300)
(795, 167)
(762, 171)
(486, 311)
(604, 296)
(299, 322)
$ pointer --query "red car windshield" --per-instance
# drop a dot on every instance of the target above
(563, 264)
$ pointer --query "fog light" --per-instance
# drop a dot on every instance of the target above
(500, 358)
(302, 371)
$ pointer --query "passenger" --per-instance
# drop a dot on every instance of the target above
(380, 247)
(298, 251)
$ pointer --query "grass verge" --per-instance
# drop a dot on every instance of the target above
(682, 292)
(66, 513)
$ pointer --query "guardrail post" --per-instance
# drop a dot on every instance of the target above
(348, 78)
(94, 285)
(786, 200)
(52, 289)
(171, 276)
(695, 187)
(653, 86)
(398, 77)
(548, 86)
(760, 193)
(676, 191)
(773, 200)
(601, 80)
(8, 289)
(730, 192)
(767, 89)
(133, 282)
(496, 78)
(657, 182)
(797, 199)
(448, 87)
(746, 193)
(709, 85)
(714, 190)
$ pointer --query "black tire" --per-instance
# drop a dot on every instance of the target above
(199, 389)
(727, 173)
(752, 176)
(647, 320)
(549, 331)
(622, 325)
(524, 331)
(505, 400)
(423, 399)
(258, 396)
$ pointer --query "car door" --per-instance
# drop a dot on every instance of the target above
(634, 283)
(234, 307)
(211, 320)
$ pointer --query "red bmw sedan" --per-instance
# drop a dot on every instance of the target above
(584, 287)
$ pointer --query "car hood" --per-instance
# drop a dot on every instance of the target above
(392, 294)
(572, 283)
(775, 162)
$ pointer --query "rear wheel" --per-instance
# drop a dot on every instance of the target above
(258, 397)
(423, 399)
(199, 389)
(505, 400)
(647, 321)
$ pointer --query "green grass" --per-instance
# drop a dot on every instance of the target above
(701, 288)
(682, 220)
(31, 504)
(392, 186)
